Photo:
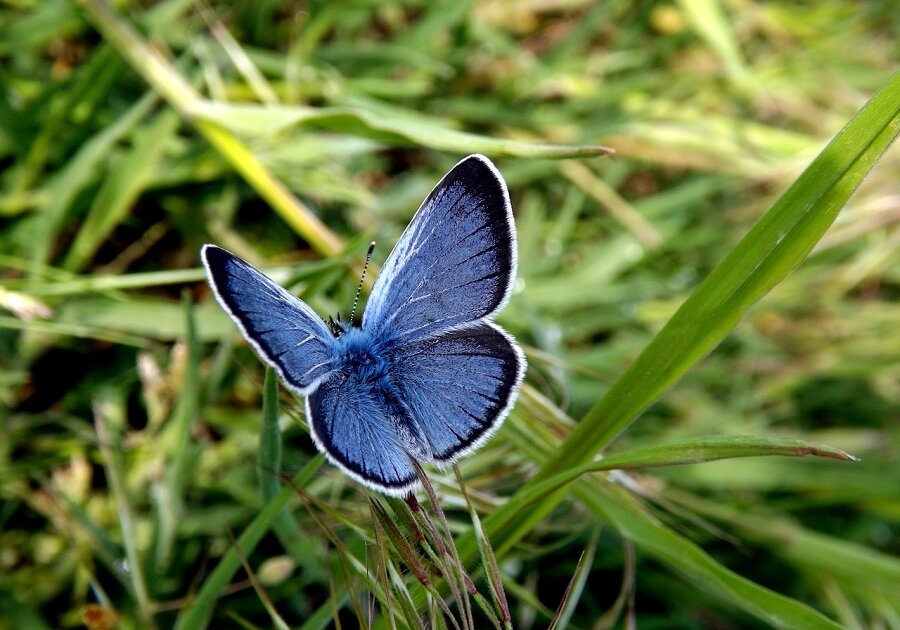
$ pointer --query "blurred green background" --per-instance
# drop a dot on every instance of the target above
(295, 133)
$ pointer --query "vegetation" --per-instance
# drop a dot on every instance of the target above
(714, 309)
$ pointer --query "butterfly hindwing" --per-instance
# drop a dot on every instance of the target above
(455, 262)
(350, 423)
(459, 386)
(285, 332)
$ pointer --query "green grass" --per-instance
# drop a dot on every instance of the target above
(713, 309)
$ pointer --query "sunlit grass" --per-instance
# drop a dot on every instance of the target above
(151, 471)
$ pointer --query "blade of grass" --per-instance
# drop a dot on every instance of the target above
(269, 456)
(136, 318)
(626, 592)
(277, 620)
(693, 451)
(48, 329)
(166, 80)
(612, 202)
(269, 453)
(110, 446)
(618, 508)
(80, 171)
(182, 423)
(105, 284)
(181, 452)
(707, 18)
(198, 612)
(576, 586)
(121, 188)
(849, 562)
(381, 572)
(488, 559)
(380, 125)
(92, 84)
(770, 251)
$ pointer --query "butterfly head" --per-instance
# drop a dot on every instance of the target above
(337, 327)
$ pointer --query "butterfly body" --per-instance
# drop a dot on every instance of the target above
(360, 353)
(428, 377)
(365, 359)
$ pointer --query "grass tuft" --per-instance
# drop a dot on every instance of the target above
(708, 433)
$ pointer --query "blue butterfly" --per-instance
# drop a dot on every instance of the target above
(428, 376)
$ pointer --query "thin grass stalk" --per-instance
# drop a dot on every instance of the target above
(260, 591)
(437, 551)
(465, 582)
(404, 549)
(381, 569)
(488, 559)
(626, 591)
(112, 466)
(575, 587)
(168, 82)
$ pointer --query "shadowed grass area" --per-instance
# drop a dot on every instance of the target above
(710, 314)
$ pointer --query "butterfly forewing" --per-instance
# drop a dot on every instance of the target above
(455, 262)
(285, 332)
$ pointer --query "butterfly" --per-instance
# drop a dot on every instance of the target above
(427, 376)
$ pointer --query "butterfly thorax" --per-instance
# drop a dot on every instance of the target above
(368, 364)
(359, 355)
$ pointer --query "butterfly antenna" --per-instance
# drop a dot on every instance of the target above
(359, 288)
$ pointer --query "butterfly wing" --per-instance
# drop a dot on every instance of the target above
(353, 426)
(285, 332)
(459, 386)
(454, 264)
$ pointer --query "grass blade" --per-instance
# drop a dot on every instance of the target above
(269, 455)
(198, 612)
(693, 451)
(575, 587)
(772, 249)
(769, 252)
(378, 124)
(121, 189)
(615, 506)
(166, 80)
(106, 407)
